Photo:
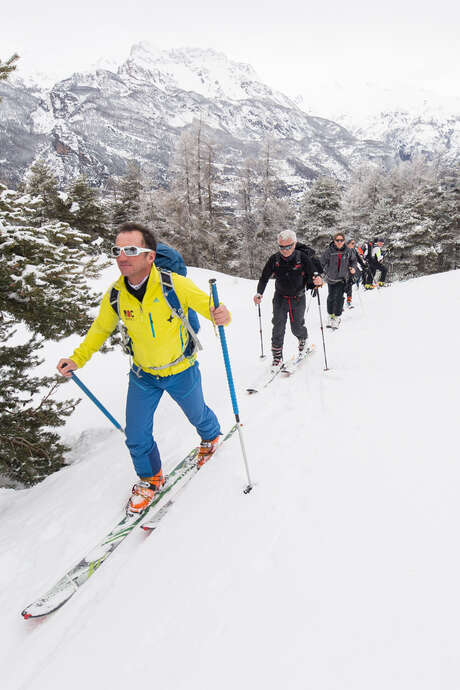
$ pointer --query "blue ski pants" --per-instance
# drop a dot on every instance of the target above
(144, 394)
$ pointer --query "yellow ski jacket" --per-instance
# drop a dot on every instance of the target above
(158, 337)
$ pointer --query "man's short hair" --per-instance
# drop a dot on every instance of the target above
(287, 235)
(147, 234)
(339, 234)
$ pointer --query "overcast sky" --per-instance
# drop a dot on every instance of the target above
(290, 43)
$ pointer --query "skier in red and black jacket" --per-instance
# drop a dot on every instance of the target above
(338, 264)
(294, 270)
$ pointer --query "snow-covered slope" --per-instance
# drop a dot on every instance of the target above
(339, 570)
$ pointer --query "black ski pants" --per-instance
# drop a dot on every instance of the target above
(335, 297)
(294, 307)
(383, 271)
(349, 287)
(368, 275)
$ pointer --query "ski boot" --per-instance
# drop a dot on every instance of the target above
(207, 448)
(277, 361)
(335, 321)
(302, 346)
(144, 492)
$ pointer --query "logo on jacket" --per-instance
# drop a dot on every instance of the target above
(128, 314)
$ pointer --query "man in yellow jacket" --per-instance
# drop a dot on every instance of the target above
(161, 354)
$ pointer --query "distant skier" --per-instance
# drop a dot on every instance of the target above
(294, 271)
(368, 273)
(376, 262)
(163, 354)
(351, 244)
(338, 264)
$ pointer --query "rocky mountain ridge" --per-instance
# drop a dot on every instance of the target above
(95, 122)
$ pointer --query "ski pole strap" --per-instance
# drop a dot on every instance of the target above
(223, 342)
(98, 404)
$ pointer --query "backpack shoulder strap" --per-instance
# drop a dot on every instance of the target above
(170, 295)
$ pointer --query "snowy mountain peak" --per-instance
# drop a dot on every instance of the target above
(204, 71)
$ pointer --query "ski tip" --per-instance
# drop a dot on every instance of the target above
(247, 489)
(26, 615)
(251, 391)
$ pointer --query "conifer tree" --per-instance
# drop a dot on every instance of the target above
(7, 67)
(445, 211)
(87, 213)
(319, 212)
(39, 181)
(359, 200)
(44, 269)
(127, 192)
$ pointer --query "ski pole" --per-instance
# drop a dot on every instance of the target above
(322, 329)
(97, 402)
(228, 369)
(262, 356)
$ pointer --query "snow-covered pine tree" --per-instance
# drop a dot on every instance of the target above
(44, 270)
(127, 192)
(319, 213)
(359, 199)
(446, 215)
(412, 244)
(39, 181)
(7, 67)
(417, 214)
(87, 213)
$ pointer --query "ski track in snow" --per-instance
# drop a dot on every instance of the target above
(339, 570)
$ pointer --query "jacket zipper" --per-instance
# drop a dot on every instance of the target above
(151, 325)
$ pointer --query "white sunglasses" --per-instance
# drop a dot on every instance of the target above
(128, 251)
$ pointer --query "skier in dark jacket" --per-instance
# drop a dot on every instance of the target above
(368, 273)
(338, 263)
(294, 270)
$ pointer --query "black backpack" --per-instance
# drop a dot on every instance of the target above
(367, 251)
(310, 252)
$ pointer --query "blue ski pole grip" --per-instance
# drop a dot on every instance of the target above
(98, 404)
(223, 342)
